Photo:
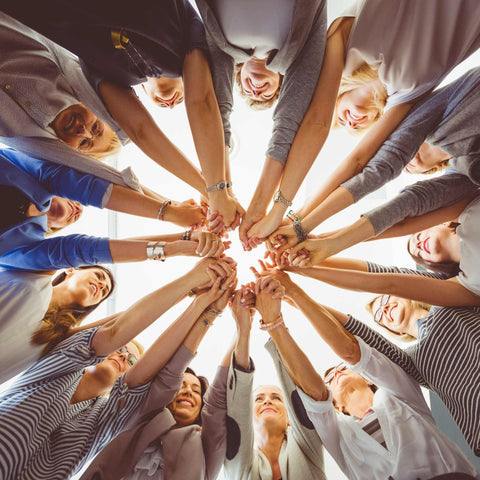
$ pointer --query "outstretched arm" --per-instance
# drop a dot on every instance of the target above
(133, 117)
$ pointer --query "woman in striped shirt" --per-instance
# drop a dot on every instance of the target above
(448, 338)
(55, 416)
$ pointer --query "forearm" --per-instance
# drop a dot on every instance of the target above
(329, 325)
(150, 193)
(297, 364)
(242, 349)
(344, 263)
(199, 330)
(267, 185)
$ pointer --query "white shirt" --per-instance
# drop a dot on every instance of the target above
(469, 233)
(416, 448)
(413, 44)
(24, 300)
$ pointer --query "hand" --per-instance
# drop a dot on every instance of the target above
(282, 239)
(209, 244)
(274, 273)
(206, 271)
(210, 295)
(250, 218)
(243, 307)
(228, 287)
(225, 206)
(185, 214)
(317, 249)
(263, 228)
(269, 293)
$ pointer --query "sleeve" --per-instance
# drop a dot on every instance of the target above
(63, 181)
(385, 374)
(196, 30)
(297, 90)
(239, 455)
(164, 386)
(214, 424)
(376, 268)
(302, 427)
(222, 65)
(384, 346)
(420, 198)
(326, 422)
(59, 252)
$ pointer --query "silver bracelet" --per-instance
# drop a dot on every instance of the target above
(218, 186)
(301, 233)
(156, 251)
(162, 209)
(279, 198)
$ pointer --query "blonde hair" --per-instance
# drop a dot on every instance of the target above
(113, 147)
(252, 103)
(436, 168)
(140, 347)
(403, 336)
(362, 76)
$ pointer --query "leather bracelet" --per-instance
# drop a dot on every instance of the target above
(162, 209)
(270, 326)
(301, 233)
(219, 186)
(156, 251)
(279, 198)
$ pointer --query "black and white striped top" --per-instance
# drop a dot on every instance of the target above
(42, 436)
(445, 358)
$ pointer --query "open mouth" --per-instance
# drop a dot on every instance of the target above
(257, 85)
(426, 246)
(184, 401)
(94, 288)
(118, 364)
(69, 123)
(354, 117)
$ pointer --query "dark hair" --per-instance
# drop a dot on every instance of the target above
(450, 268)
(57, 322)
(251, 102)
(14, 206)
(204, 386)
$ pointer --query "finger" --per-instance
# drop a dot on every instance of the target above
(236, 221)
(218, 270)
(202, 240)
(262, 266)
(255, 272)
(279, 293)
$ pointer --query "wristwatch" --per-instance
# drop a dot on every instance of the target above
(219, 186)
(279, 198)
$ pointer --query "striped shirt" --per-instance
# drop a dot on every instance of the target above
(445, 358)
(370, 424)
(42, 436)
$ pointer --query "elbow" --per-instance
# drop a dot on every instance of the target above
(351, 351)
(316, 390)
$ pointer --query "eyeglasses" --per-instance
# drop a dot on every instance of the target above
(331, 374)
(131, 358)
(379, 312)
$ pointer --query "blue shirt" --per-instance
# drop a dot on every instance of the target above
(23, 246)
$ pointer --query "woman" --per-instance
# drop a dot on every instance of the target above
(185, 438)
(68, 420)
(369, 413)
(119, 49)
(36, 210)
(445, 119)
(288, 448)
(37, 312)
(398, 47)
(448, 338)
(274, 55)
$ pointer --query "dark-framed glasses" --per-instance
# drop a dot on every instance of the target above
(131, 358)
(377, 317)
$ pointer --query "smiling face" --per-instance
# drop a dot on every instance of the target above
(269, 408)
(165, 92)
(86, 287)
(395, 314)
(428, 159)
(63, 212)
(79, 128)
(187, 404)
(258, 83)
(355, 108)
(436, 245)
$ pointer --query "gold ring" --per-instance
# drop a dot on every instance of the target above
(215, 240)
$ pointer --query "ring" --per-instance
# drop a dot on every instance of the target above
(215, 241)
(223, 289)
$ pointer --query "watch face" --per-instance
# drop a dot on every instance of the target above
(221, 185)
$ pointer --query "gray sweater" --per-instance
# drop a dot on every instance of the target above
(300, 60)
(447, 119)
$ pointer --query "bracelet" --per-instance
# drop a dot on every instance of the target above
(229, 184)
(206, 322)
(291, 215)
(219, 186)
(156, 251)
(213, 311)
(187, 235)
(162, 209)
(301, 233)
(191, 293)
(279, 198)
(270, 326)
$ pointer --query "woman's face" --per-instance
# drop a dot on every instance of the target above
(87, 286)
(79, 128)
(343, 383)
(63, 212)
(395, 314)
(269, 408)
(257, 81)
(355, 110)
(434, 245)
(427, 158)
(165, 92)
(187, 404)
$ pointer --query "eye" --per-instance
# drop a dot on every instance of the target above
(85, 144)
(258, 399)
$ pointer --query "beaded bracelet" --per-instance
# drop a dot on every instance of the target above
(270, 326)
(301, 233)
(187, 235)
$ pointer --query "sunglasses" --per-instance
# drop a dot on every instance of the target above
(327, 380)
(377, 317)
(131, 358)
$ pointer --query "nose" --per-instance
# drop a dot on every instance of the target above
(81, 129)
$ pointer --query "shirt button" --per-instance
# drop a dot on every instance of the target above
(7, 87)
(28, 103)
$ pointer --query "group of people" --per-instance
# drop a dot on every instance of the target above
(88, 398)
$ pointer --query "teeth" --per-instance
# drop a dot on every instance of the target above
(70, 123)
(257, 84)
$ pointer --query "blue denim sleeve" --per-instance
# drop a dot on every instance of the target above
(60, 180)
(60, 252)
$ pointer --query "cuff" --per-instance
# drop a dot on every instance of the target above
(250, 369)
(314, 406)
(365, 354)
(106, 196)
(102, 251)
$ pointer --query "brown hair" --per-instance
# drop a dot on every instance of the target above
(450, 268)
(359, 78)
(256, 104)
(57, 322)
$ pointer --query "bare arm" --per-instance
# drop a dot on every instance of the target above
(133, 117)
